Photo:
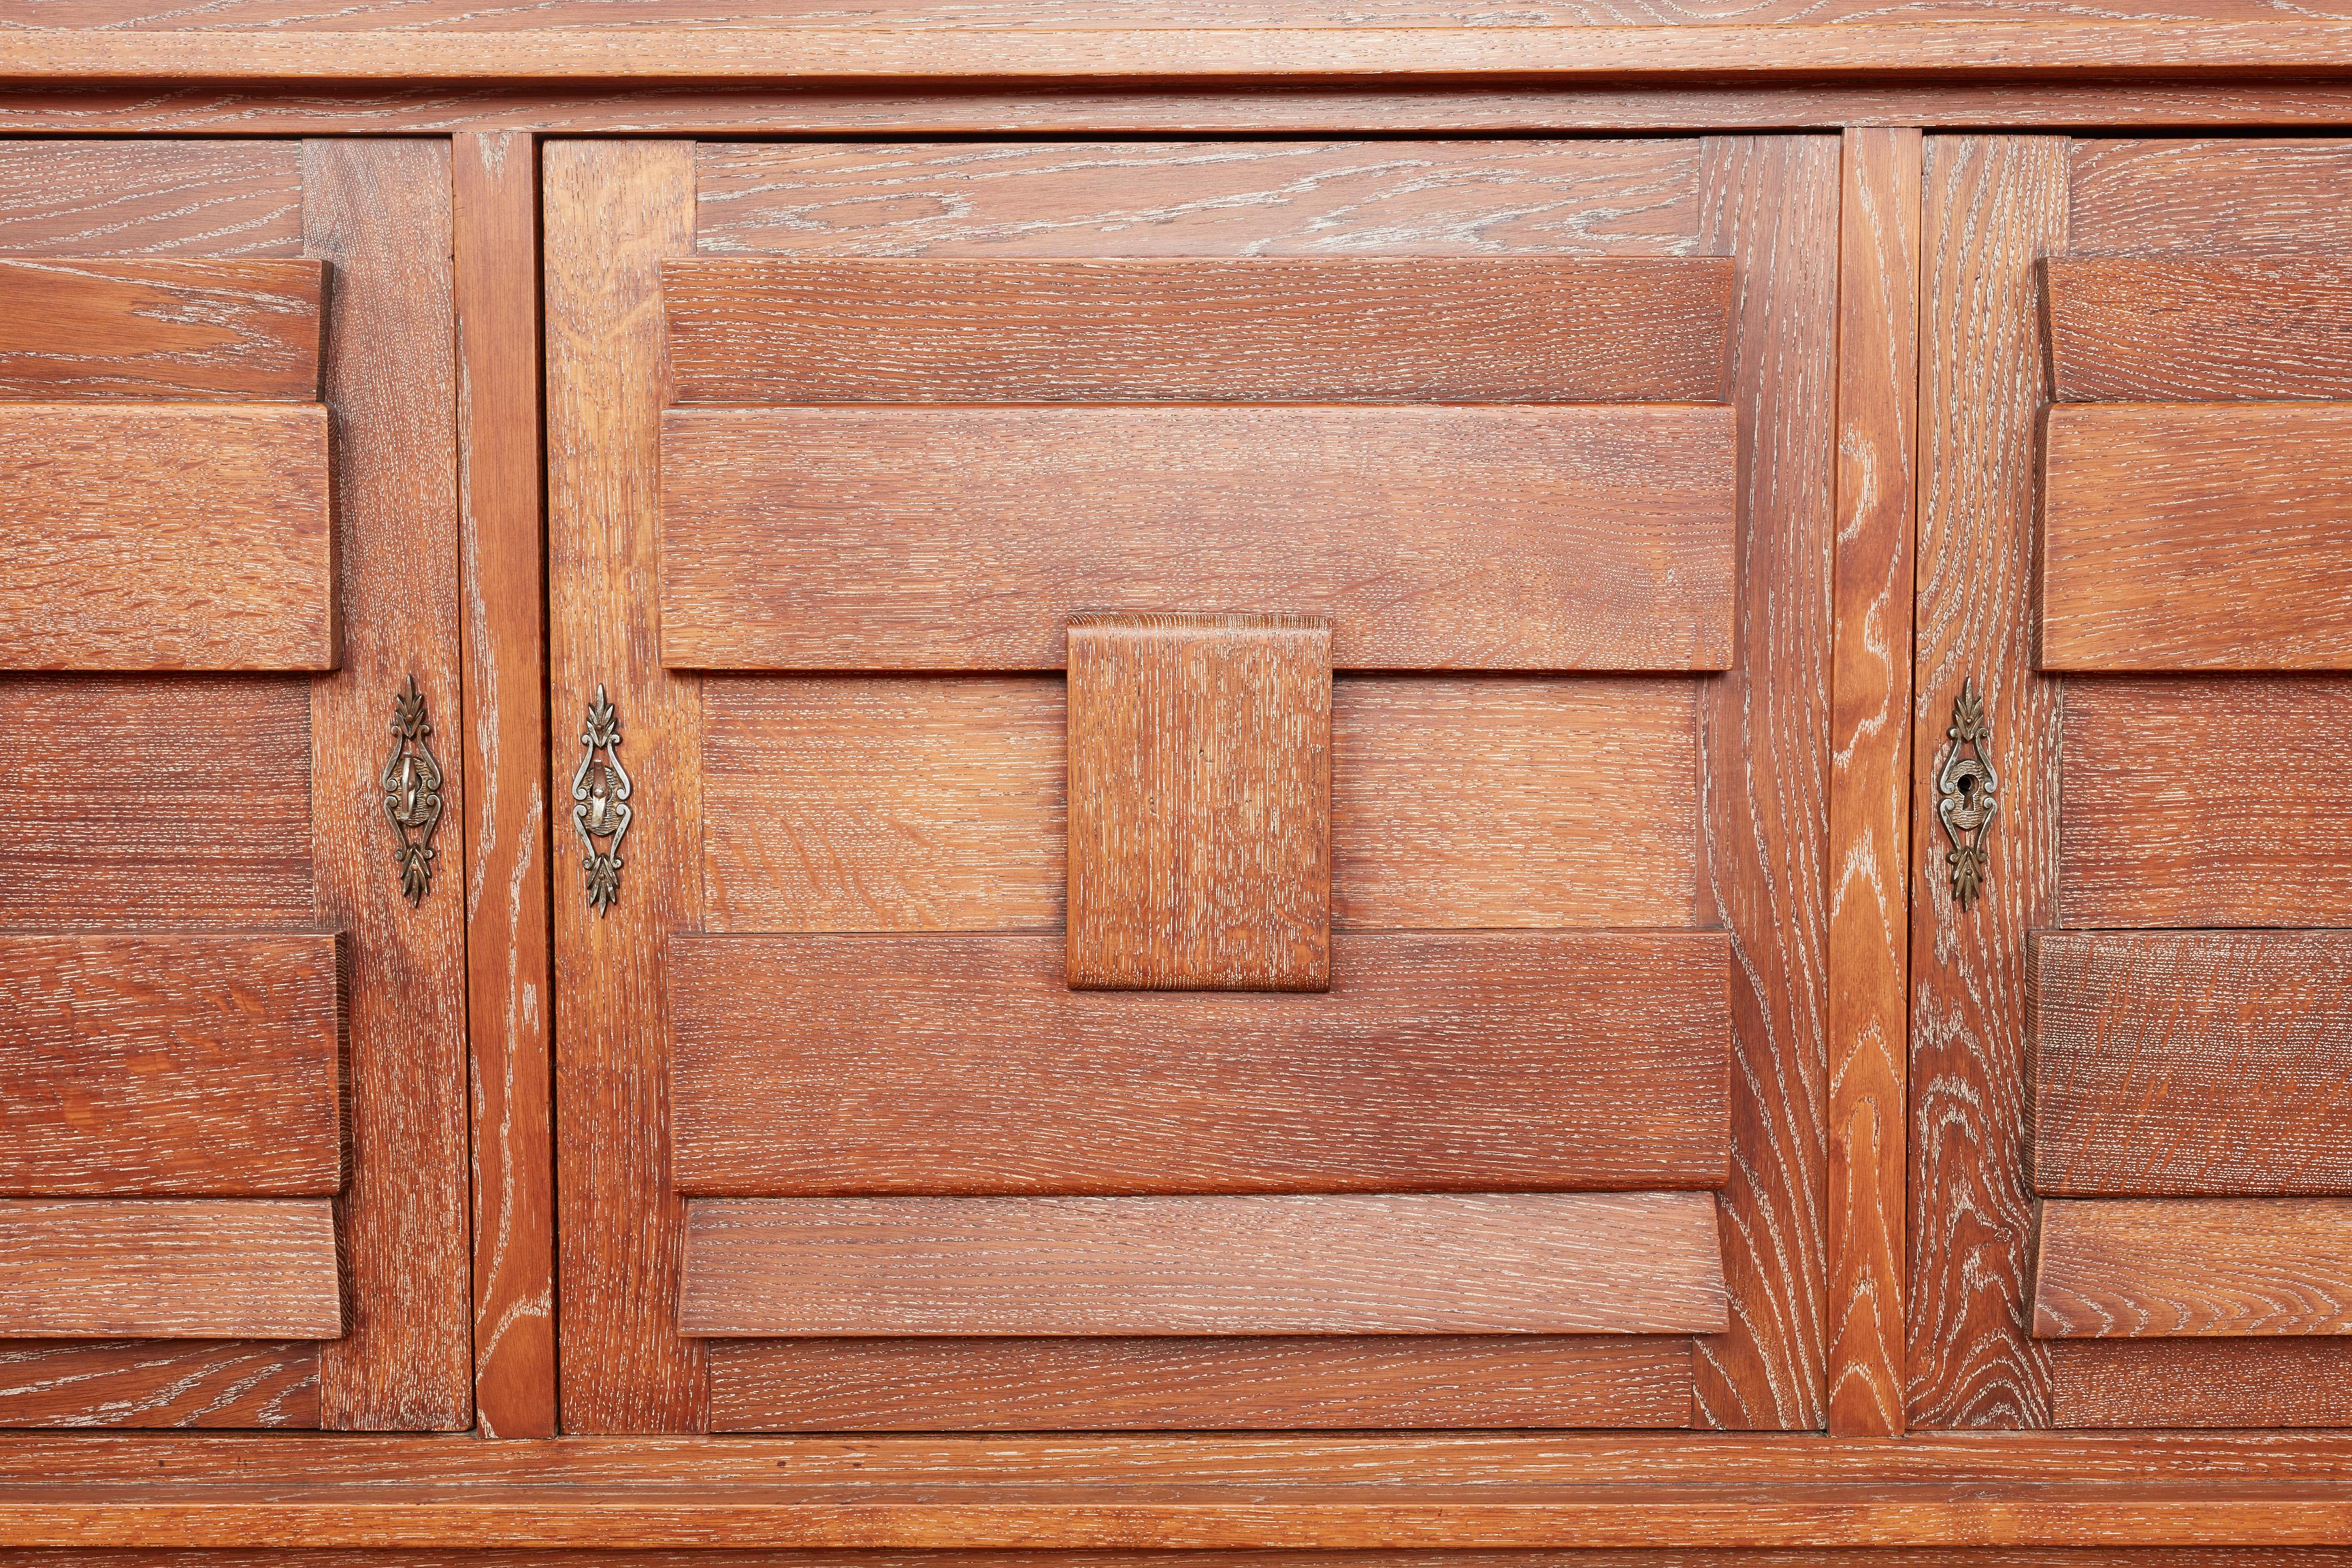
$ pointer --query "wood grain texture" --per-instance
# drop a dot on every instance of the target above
(1461, 1062)
(1869, 776)
(2237, 195)
(2197, 328)
(124, 197)
(1994, 206)
(502, 575)
(2199, 536)
(234, 330)
(159, 1383)
(215, 1269)
(2201, 1382)
(2263, 838)
(378, 213)
(1590, 537)
(189, 1064)
(1277, 1383)
(1548, 1263)
(612, 211)
(2192, 1064)
(1273, 330)
(893, 803)
(1200, 803)
(1764, 736)
(148, 536)
(2162, 1268)
(87, 850)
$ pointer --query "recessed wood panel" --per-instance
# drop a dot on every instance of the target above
(159, 1383)
(2209, 802)
(1277, 1383)
(2197, 536)
(2197, 1267)
(897, 804)
(1589, 537)
(133, 328)
(195, 1268)
(2206, 1063)
(143, 815)
(2193, 329)
(1461, 1062)
(1200, 803)
(1537, 1263)
(158, 536)
(2201, 1382)
(122, 196)
(2239, 193)
(171, 1064)
(1256, 329)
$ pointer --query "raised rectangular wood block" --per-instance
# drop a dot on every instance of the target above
(1559, 1263)
(176, 1268)
(195, 1063)
(1199, 847)
(2193, 1268)
(2163, 329)
(2202, 1063)
(156, 328)
(2244, 1384)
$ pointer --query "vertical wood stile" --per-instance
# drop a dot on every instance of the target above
(1870, 774)
(1994, 206)
(506, 817)
(379, 212)
(614, 210)
(1771, 204)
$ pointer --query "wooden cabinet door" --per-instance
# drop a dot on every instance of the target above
(232, 1093)
(2134, 1083)
(1199, 796)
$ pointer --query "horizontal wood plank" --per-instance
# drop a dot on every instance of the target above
(1297, 1383)
(159, 1383)
(191, 1063)
(165, 536)
(2207, 1063)
(1257, 329)
(2201, 1382)
(1536, 1263)
(117, 195)
(909, 804)
(2280, 195)
(1593, 537)
(202, 1269)
(89, 849)
(135, 327)
(1461, 1061)
(2130, 329)
(2206, 801)
(2197, 536)
(2196, 1268)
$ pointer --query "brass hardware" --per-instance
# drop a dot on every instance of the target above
(412, 792)
(1966, 793)
(600, 793)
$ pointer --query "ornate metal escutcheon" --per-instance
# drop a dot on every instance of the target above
(412, 792)
(599, 794)
(1966, 793)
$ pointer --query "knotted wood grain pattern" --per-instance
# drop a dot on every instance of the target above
(2154, 1267)
(90, 849)
(1541, 1263)
(165, 536)
(159, 1383)
(885, 803)
(1994, 206)
(1869, 776)
(2201, 1382)
(2206, 801)
(122, 197)
(2274, 195)
(1583, 537)
(1295, 1382)
(236, 331)
(203, 1269)
(1200, 803)
(2192, 1064)
(185, 1064)
(2194, 329)
(1445, 1061)
(1259, 329)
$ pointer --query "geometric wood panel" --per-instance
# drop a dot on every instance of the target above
(2160, 1268)
(2130, 329)
(133, 327)
(194, 1268)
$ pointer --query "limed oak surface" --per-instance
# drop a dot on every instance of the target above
(2201, 1383)
(180, 1269)
(159, 1383)
(156, 329)
(2160, 1268)
(2130, 329)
